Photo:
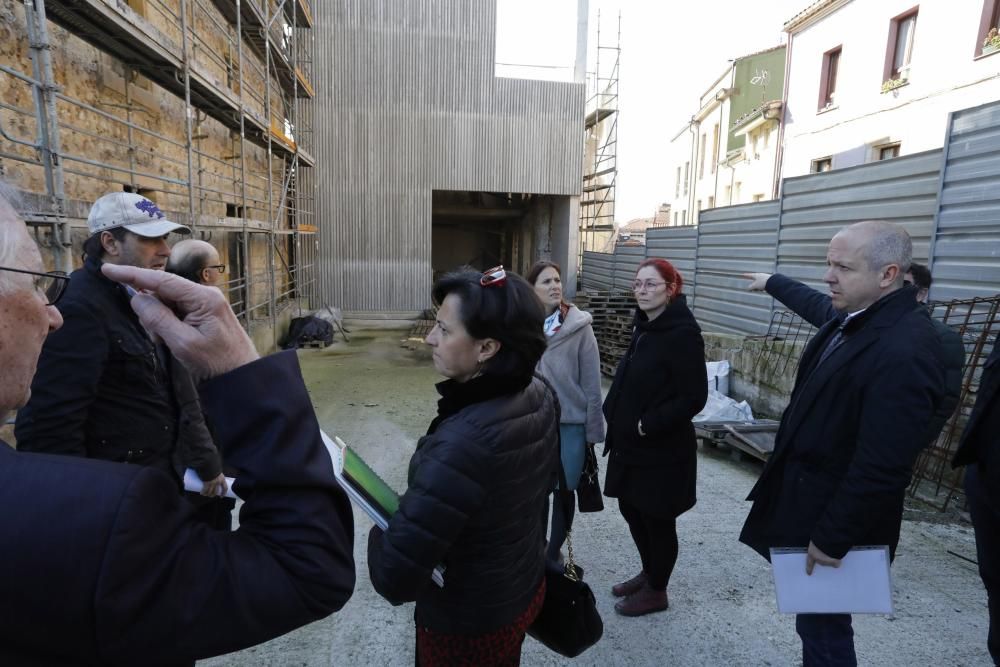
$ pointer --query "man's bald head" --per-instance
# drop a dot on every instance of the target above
(884, 243)
(865, 261)
(196, 260)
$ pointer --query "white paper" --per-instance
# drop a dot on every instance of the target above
(194, 484)
(861, 585)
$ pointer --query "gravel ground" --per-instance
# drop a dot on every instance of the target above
(379, 397)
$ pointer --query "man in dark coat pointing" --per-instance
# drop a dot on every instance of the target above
(849, 437)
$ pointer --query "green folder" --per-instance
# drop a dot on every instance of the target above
(365, 480)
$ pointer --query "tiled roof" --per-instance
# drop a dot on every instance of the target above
(808, 13)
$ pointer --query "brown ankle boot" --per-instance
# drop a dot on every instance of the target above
(645, 601)
(630, 586)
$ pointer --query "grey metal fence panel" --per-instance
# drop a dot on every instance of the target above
(679, 245)
(815, 207)
(732, 241)
(967, 245)
(598, 271)
(627, 260)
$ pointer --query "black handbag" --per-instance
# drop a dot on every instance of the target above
(588, 491)
(569, 622)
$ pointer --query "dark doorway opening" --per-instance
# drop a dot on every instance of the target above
(479, 229)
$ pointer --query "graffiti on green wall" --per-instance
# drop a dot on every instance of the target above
(758, 79)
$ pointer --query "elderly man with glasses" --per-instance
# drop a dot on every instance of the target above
(103, 563)
(197, 261)
(104, 389)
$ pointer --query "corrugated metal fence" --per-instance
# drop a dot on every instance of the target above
(732, 241)
(948, 200)
(967, 244)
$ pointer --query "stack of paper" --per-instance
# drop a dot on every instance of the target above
(861, 585)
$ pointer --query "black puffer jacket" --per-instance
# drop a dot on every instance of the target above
(478, 485)
(662, 381)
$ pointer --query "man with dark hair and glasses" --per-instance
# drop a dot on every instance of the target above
(197, 261)
(103, 563)
(103, 388)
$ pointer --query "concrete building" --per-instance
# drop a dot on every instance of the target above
(429, 160)
(870, 81)
(727, 153)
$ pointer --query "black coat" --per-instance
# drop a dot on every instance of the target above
(662, 381)
(980, 443)
(848, 439)
(103, 390)
(478, 488)
(103, 564)
(817, 309)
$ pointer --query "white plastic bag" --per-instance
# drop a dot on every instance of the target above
(721, 408)
(718, 376)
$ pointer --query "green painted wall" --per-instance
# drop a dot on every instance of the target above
(758, 79)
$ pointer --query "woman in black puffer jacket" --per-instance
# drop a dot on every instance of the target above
(659, 386)
(478, 481)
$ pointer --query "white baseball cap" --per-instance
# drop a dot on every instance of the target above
(133, 212)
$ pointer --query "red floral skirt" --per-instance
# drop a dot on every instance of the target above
(499, 648)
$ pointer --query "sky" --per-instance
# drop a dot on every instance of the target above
(671, 52)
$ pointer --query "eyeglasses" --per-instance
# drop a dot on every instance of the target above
(51, 284)
(495, 277)
(221, 268)
(648, 285)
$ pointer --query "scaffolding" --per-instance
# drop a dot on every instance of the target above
(201, 105)
(597, 200)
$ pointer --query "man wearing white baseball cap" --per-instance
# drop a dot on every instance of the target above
(103, 388)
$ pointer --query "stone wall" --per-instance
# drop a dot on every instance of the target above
(761, 372)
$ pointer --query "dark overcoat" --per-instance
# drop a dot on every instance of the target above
(980, 443)
(103, 563)
(662, 381)
(852, 430)
(817, 308)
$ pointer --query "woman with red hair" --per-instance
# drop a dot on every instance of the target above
(659, 386)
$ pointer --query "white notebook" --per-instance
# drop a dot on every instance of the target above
(861, 585)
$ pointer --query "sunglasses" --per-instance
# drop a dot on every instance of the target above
(495, 277)
(50, 285)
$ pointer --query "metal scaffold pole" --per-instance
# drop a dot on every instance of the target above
(44, 92)
(271, 217)
(244, 236)
(188, 112)
(600, 176)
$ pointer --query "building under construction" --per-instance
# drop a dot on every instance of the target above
(201, 105)
(337, 155)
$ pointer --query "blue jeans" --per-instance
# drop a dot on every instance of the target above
(572, 446)
(827, 640)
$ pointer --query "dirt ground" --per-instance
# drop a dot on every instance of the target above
(379, 397)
